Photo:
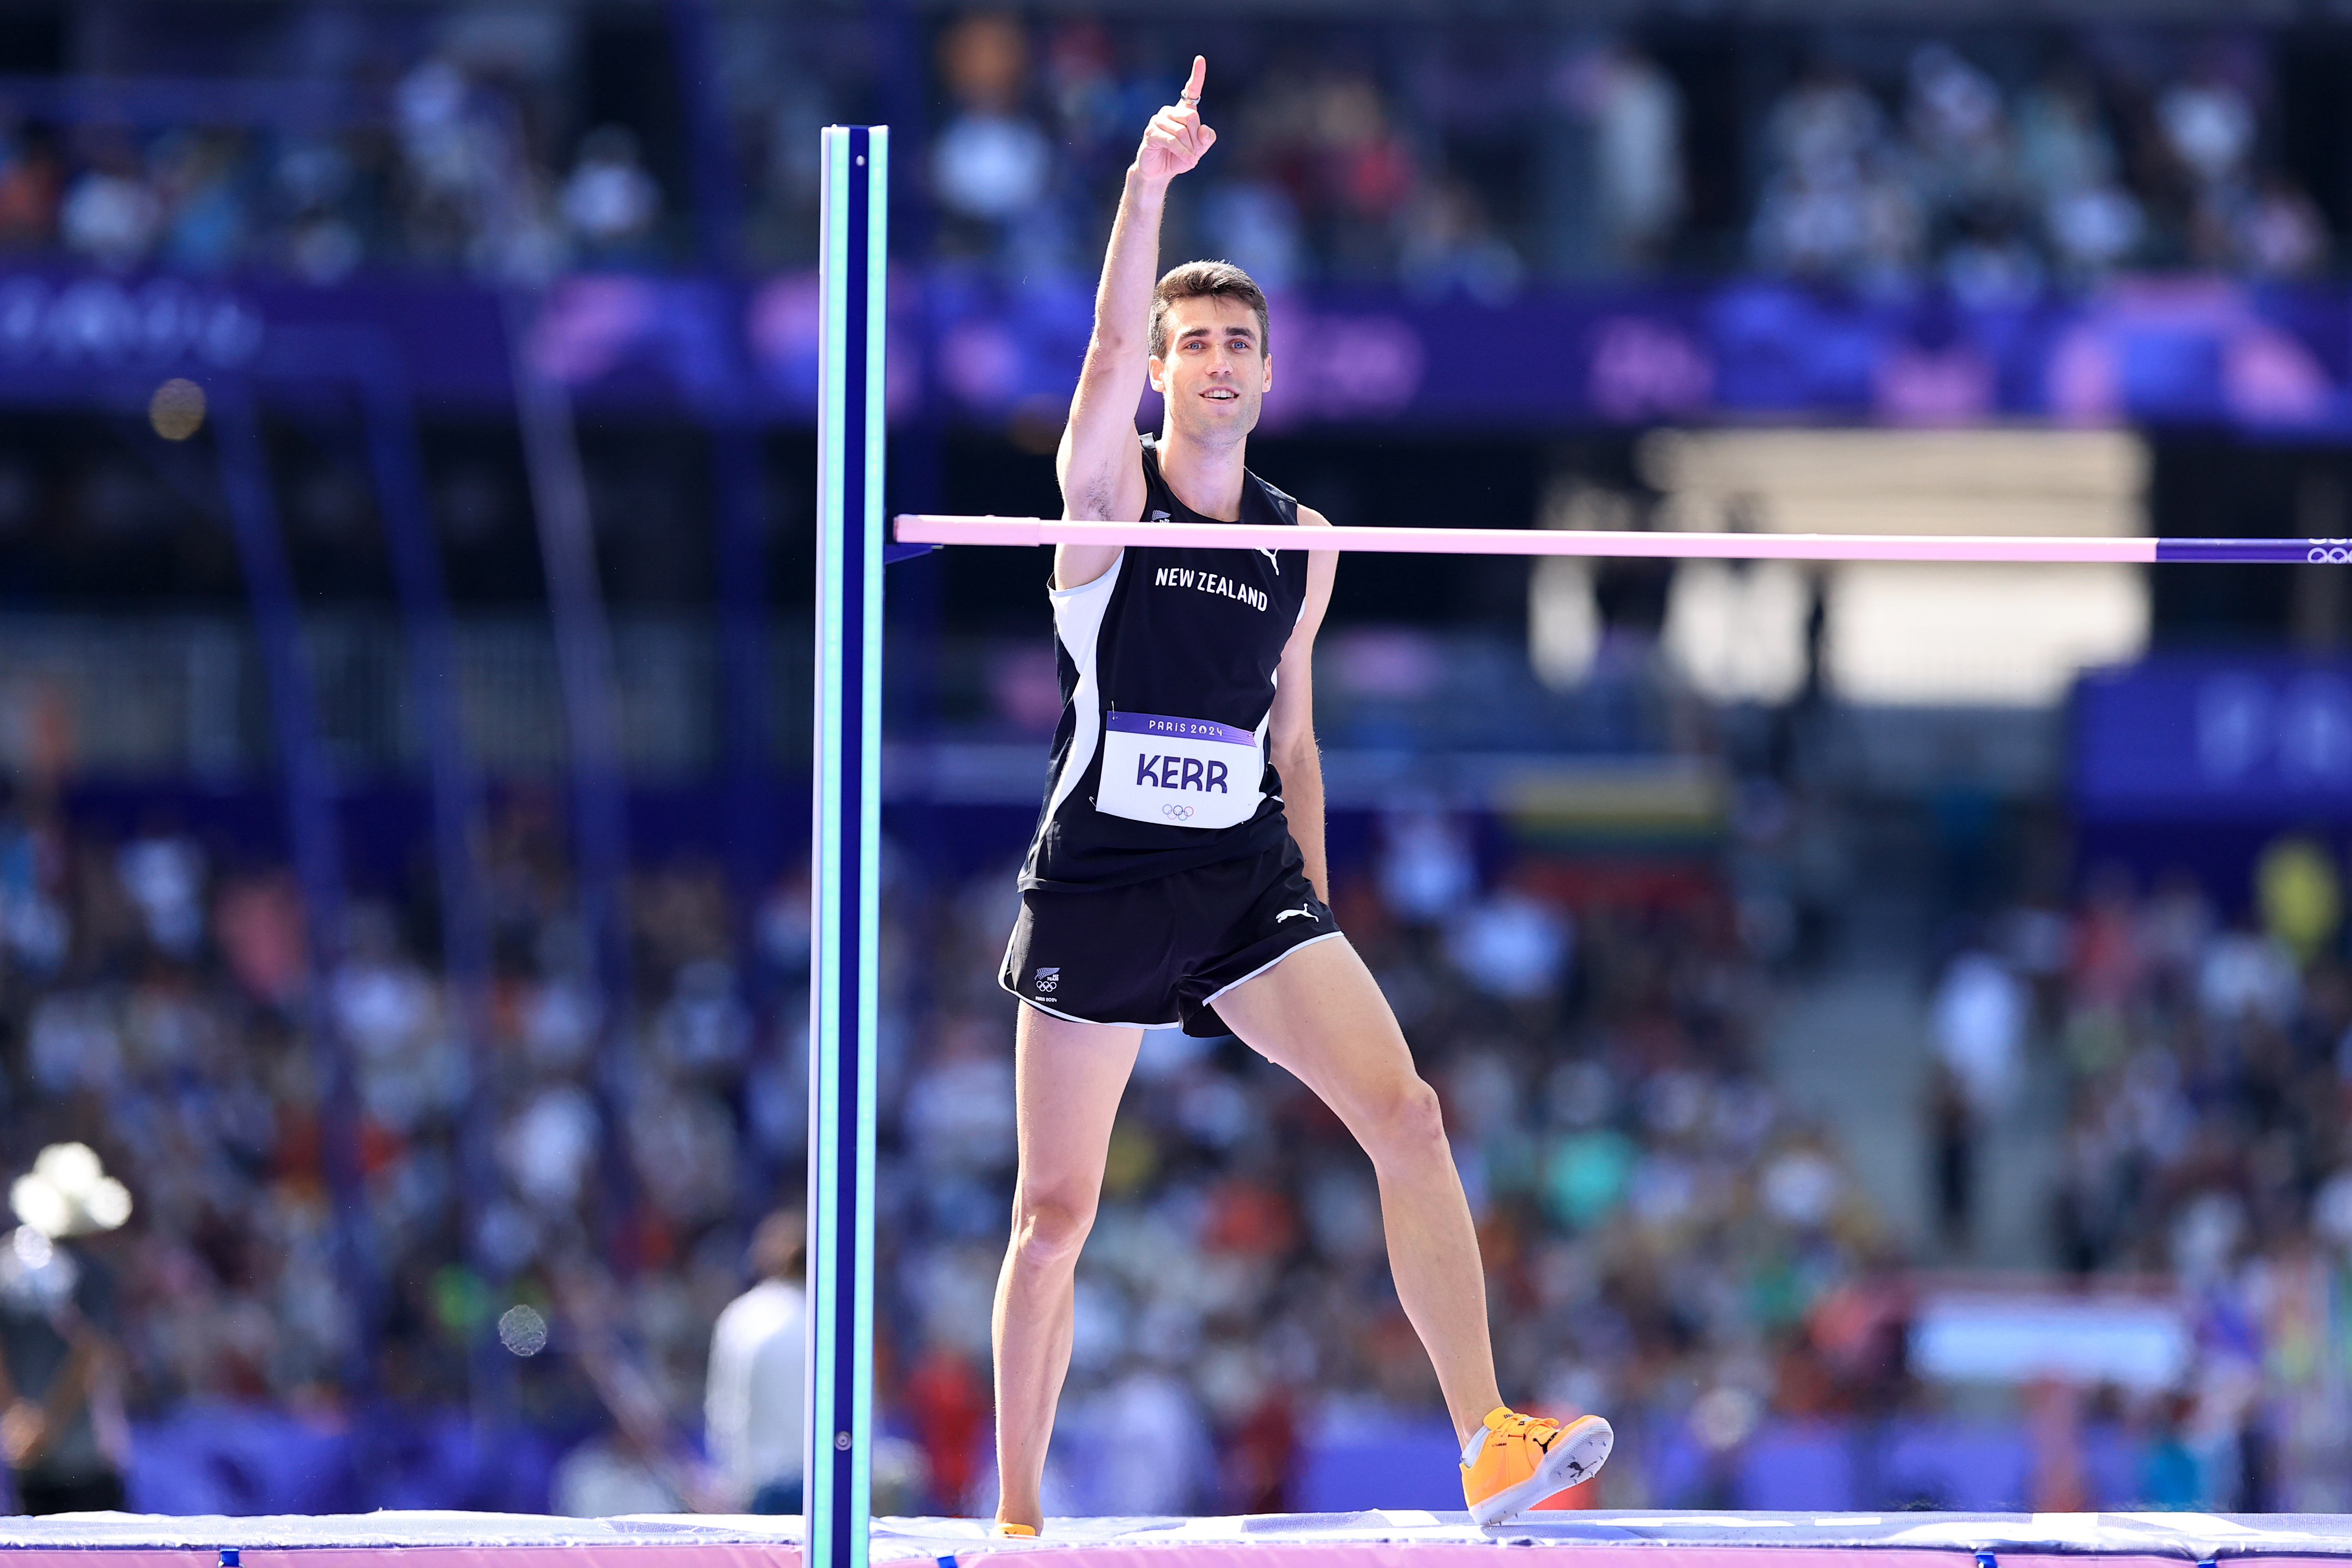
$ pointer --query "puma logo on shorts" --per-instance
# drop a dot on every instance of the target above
(1148, 953)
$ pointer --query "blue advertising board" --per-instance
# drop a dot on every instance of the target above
(978, 351)
(2215, 740)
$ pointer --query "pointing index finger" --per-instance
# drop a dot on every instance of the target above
(1191, 93)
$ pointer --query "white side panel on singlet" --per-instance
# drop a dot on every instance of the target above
(1265, 725)
(1078, 621)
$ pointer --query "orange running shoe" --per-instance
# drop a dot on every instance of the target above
(1522, 1459)
(1005, 1529)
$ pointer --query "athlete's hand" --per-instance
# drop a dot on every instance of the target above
(1175, 140)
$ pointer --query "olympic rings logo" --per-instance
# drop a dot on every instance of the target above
(1176, 812)
(2330, 552)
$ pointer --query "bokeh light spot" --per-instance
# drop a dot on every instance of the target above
(177, 409)
(522, 1331)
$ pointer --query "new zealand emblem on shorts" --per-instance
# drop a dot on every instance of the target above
(1048, 979)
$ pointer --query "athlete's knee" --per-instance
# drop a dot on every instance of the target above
(1406, 1122)
(1048, 1228)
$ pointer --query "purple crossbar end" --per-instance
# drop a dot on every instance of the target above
(2257, 552)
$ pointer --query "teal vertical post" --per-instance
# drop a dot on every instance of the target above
(845, 846)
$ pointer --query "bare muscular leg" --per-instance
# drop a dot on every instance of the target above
(1321, 1013)
(1067, 1078)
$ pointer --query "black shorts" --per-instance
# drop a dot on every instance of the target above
(1150, 954)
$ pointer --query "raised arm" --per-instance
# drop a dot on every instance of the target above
(1099, 463)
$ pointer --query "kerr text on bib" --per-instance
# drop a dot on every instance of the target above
(1193, 772)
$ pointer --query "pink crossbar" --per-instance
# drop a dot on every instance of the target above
(929, 528)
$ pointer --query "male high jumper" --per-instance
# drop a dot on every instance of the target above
(1177, 875)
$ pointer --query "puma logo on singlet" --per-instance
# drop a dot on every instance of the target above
(1293, 914)
(1162, 517)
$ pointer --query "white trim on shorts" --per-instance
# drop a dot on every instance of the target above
(1269, 963)
(1073, 1018)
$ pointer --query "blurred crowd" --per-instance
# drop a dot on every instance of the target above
(2118, 157)
(450, 178)
(1474, 162)
(1657, 1228)
(539, 1151)
(553, 1197)
(503, 143)
(2203, 1064)
(1471, 159)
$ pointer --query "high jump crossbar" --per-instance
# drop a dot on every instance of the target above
(927, 528)
(845, 823)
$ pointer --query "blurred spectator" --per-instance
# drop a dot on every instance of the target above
(110, 214)
(1253, 223)
(28, 193)
(609, 202)
(163, 874)
(1153, 1453)
(1614, 161)
(32, 917)
(1426, 870)
(2068, 166)
(2209, 126)
(548, 1147)
(473, 194)
(608, 1476)
(1513, 946)
(314, 181)
(202, 211)
(1979, 1013)
(2300, 895)
(258, 925)
(753, 1409)
(2280, 231)
(1637, 115)
(2167, 1471)
(990, 162)
(61, 1421)
(1960, 134)
(1363, 176)
(947, 1403)
(442, 156)
(1952, 1143)
(1831, 205)
(1451, 245)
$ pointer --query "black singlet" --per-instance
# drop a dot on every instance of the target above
(1168, 663)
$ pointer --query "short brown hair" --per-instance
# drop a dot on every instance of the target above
(1200, 281)
(780, 1246)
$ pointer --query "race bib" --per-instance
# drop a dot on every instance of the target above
(1193, 772)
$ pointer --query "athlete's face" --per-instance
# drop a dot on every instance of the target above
(1215, 373)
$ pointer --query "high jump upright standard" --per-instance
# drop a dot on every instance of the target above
(843, 840)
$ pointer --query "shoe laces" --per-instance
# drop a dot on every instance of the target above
(1538, 1429)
